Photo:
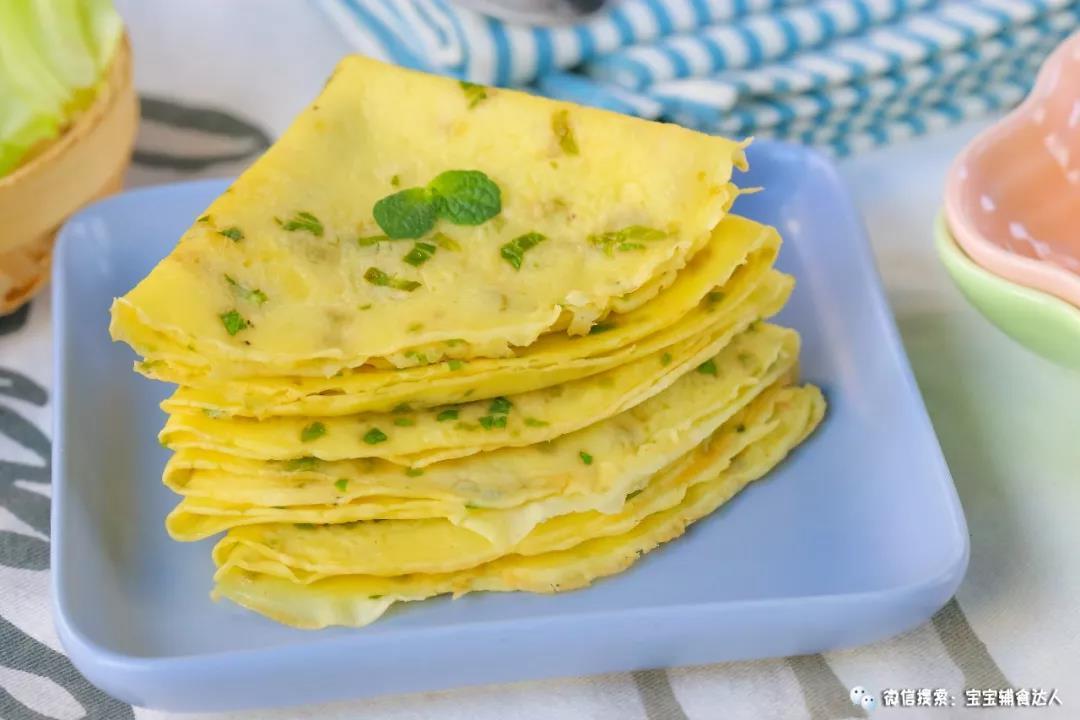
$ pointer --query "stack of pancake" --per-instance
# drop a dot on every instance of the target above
(444, 338)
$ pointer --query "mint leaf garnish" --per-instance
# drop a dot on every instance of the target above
(465, 197)
(407, 214)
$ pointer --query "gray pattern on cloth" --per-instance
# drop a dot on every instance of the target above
(215, 142)
(18, 650)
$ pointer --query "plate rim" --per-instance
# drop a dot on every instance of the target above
(103, 664)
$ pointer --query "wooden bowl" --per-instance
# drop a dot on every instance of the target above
(85, 163)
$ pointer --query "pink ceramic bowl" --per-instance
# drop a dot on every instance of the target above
(1012, 199)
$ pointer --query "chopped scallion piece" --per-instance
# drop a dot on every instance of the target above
(500, 405)
(375, 276)
(374, 436)
(302, 463)
(314, 431)
(420, 254)
(560, 125)
(234, 322)
(601, 328)
(514, 251)
(256, 296)
(303, 221)
(474, 94)
(493, 421)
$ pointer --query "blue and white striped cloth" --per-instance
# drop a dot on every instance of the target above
(843, 74)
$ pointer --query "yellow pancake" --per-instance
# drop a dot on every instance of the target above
(420, 438)
(307, 553)
(274, 275)
(738, 256)
(530, 483)
(357, 600)
(734, 243)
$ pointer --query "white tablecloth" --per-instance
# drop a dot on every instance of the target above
(220, 79)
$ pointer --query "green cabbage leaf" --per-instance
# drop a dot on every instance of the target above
(53, 55)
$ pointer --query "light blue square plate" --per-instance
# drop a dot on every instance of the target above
(859, 535)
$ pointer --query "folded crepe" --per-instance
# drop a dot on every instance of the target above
(565, 553)
(400, 217)
(718, 278)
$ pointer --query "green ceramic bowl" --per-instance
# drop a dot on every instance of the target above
(1040, 322)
